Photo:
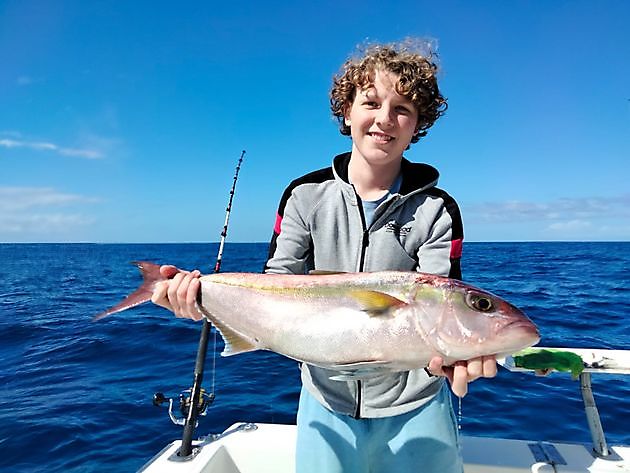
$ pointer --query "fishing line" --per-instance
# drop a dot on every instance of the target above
(217, 266)
(196, 390)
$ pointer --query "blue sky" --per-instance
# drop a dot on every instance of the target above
(123, 121)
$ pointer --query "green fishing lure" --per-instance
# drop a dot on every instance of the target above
(542, 359)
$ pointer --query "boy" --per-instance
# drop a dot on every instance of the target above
(372, 210)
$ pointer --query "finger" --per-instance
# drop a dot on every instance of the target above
(159, 296)
(173, 289)
(436, 366)
(448, 372)
(474, 368)
(191, 299)
(168, 270)
(186, 309)
(489, 366)
(187, 296)
(459, 384)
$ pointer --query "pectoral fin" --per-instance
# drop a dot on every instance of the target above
(375, 302)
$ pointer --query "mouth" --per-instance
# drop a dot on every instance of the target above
(380, 138)
(523, 325)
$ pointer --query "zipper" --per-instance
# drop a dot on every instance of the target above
(357, 411)
(365, 238)
(365, 242)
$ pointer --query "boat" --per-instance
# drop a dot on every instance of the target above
(261, 448)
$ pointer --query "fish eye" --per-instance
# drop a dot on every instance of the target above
(479, 302)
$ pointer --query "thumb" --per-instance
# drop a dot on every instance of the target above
(168, 270)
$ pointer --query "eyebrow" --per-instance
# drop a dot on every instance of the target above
(369, 92)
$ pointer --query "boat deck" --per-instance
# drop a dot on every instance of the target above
(271, 447)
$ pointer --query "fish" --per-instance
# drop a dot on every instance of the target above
(358, 324)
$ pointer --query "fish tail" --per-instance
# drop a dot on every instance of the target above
(151, 274)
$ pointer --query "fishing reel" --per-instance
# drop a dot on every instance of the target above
(204, 401)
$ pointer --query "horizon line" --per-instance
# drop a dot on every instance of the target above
(266, 242)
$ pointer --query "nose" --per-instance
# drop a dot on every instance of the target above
(384, 116)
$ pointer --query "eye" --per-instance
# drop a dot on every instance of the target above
(479, 302)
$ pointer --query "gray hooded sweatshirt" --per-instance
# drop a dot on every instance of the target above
(320, 225)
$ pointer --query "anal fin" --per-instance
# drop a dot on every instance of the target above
(235, 342)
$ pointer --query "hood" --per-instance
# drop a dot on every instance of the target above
(416, 177)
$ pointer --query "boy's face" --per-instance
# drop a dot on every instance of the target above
(382, 122)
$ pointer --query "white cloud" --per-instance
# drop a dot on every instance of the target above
(43, 146)
(563, 211)
(106, 146)
(580, 218)
(570, 226)
(25, 80)
(17, 199)
(40, 211)
(11, 133)
(41, 224)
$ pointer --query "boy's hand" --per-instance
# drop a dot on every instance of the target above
(179, 293)
(463, 372)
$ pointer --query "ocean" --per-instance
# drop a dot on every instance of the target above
(76, 395)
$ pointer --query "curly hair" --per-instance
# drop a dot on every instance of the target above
(417, 81)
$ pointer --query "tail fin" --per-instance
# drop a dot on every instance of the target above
(151, 274)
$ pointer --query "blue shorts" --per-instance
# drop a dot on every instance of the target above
(423, 440)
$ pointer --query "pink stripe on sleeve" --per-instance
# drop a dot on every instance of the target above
(456, 248)
(276, 227)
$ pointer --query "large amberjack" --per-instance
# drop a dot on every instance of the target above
(357, 323)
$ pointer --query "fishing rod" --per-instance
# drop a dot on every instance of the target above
(196, 403)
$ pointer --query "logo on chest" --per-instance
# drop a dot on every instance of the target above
(397, 229)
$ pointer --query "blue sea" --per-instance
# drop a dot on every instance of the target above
(75, 395)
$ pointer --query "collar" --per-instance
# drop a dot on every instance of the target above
(416, 177)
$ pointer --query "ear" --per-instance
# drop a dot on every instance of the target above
(346, 115)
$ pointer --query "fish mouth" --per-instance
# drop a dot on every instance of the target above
(520, 334)
(523, 326)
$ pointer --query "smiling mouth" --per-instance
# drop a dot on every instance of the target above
(381, 137)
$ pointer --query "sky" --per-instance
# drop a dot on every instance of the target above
(123, 121)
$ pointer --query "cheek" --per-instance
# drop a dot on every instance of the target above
(407, 124)
(359, 122)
